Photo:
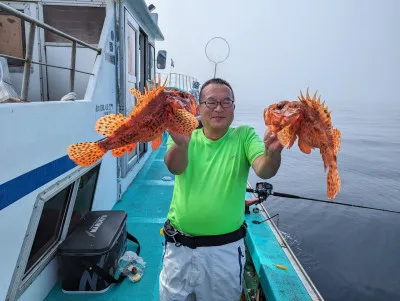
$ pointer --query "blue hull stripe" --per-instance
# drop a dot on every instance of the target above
(22, 185)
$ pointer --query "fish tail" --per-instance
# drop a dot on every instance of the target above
(85, 153)
(333, 182)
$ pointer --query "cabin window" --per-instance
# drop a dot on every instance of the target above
(84, 197)
(83, 23)
(131, 50)
(151, 72)
(50, 225)
(12, 42)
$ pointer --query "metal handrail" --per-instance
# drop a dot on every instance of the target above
(29, 50)
(43, 64)
(177, 80)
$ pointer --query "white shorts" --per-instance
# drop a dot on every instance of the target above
(203, 274)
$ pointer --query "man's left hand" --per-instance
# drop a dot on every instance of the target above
(271, 142)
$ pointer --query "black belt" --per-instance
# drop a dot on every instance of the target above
(179, 238)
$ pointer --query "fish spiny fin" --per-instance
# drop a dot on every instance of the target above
(337, 140)
(304, 147)
(316, 104)
(138, 95)
(149, 95)
(286, 135)
(85, 153)
(120, 151)
(333, 182)
(108, 124)
(156, 143)
(182, 122)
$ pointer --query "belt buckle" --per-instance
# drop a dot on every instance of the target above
(172, 232)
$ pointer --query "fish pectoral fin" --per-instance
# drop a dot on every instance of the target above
(182, 122)
(156, 143)
(286, 135)
(337, 139)
(108, 124)
(333, 182)
(120, 151)
(86, 153)
(304, 147)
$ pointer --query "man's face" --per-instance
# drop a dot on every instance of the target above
(213, 115)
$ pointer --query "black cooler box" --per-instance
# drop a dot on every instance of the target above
(89, 256)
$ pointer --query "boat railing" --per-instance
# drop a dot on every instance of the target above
(179, 81)
(33, 23)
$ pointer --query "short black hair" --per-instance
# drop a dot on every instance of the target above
(218, 81)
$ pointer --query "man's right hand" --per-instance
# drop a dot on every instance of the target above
(181, 140)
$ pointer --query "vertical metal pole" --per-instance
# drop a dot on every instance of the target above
(215, 69)
(28, 59)
(72, 71)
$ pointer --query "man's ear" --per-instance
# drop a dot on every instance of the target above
(198, 109)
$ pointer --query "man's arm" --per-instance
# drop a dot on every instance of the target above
(176, 157)
(266, 166)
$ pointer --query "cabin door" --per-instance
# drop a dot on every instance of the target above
(131, 78)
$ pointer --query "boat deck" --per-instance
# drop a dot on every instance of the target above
(147, 202)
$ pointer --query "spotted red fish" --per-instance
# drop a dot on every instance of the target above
(156, 111)
(308, 120)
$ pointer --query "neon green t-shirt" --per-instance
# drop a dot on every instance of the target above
(208, 197)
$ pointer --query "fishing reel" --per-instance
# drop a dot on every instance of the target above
(263, 190)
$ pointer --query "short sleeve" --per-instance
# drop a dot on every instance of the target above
(170, 142)
(253, 145)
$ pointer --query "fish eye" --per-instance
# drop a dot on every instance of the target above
(279, 106)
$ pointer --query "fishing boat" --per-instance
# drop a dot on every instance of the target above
(65, 64)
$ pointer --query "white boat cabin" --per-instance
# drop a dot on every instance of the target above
(64, 64)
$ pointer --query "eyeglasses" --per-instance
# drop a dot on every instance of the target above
(212, 104)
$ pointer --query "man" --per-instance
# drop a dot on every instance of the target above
(204, 253)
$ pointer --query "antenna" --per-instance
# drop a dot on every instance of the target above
(217, 54)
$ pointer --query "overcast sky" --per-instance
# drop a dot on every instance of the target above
(347, 49)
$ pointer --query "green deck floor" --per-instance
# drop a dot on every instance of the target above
(147, 202)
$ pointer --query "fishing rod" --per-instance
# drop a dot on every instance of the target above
(263, 190)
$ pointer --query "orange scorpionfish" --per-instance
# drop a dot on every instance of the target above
(309, 120)
(156, 111)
